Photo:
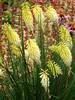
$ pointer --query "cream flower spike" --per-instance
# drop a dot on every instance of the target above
(65, 36)
(33, 50)
(52, 14)
(64, 53)
(1, 72)
(54, 68)
(11, 35)
(27, 16)
(44, 79)
(38, 15)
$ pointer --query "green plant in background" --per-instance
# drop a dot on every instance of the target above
(36, 70)
(7, 16)
(6, 1)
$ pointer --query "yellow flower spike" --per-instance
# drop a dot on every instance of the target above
(54, 68)
(64, 53)
(27, 16)
(44, 79)
(11, 35)
(54, 48)
(65, 36)
(52, 14)
(15, 50)
(33, 50)
(38, 15)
